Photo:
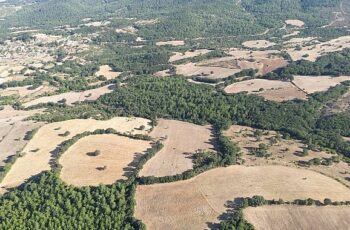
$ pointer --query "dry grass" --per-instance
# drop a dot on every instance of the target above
(269, 89)
(38, 151)
(117, 155)
(312, 84)
(295, 22)
(259, 44)
(188, 54)
(284, 152)
(107, 71)
(192, 69)
(342, 104)
(199, 201)
(127, 30)
(172, 43)
(73, 97)
(289, 217)
(180, 140)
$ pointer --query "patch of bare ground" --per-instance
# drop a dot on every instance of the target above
(269, 89)
(172, 43)
(342, 104)
(115, 160)
(295, 22)
(259, 44)
(193, 69)
(188, 54)
(181, 140)
(107, 71)
(201, 200)
(38, 152)
(313, 51)
(283, 152)
(312, 84)
(26, 93)
(73, 97)
(289, 217)
(127, 30)
(146, 22)
(13, 129)
(97, 24)
(162, 73)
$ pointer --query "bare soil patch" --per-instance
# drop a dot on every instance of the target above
(259, 44)
(188, 54)
(127, 30)
(117, 156)
(295, 22)
(290, 217)
(200, 200)
(38, 152)
(107, 71)
(72, 97)
(172, 43)
(269, 89)
(192, 69)
(312, 84)
(181, 140)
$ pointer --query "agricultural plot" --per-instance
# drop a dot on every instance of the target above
(283, 152)
(181, 140)
(313, 84)
(73, 97)
(171, 43)
(101, 159)
(290, 217)
(295, 22)
(107, 72)
(198, 202)
(188, 54)
(38, 152)
(269, 89)
(258, 44)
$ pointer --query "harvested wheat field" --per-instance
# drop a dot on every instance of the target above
(188, 54)
(259, 44)
(283, 152)
(38, 151)
(193, 69)
(295, 22)
(12, 131)
(107, 72)
(313, 84)
(25, 92)
(269, 89)
(180, 140)
(113, 163)
(73, 97)
(201, 200)
(171, 43)
(290, 217)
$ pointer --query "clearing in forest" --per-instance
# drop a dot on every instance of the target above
(72, 97)
(188, 54)
(181, 140)
(269, 89)
(171, 43)
(38, 152)
(295, 22)
(292, 217)
(107, 72)
(101, 159)
(259, 44)
(201, 200)
(313, 84)
(286, 152)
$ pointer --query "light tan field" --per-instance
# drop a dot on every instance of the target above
(162, 73)
(188, 54)
(97, 24)
(13, 130)
(271, 89)
(290, 217)
(181, 140)
(107, 71)
(25, 93)
(284, 152)
(117, 153)
(147, 22)
(295, 22)
(312, 84)
(127, 30)
(193, 69)
(38, 152)
(316, 50)
(72, 97)
(292, 34)
(259, 44)
(201, 200)
(172, 43)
